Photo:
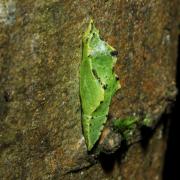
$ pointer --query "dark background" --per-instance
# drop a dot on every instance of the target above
(172, 158)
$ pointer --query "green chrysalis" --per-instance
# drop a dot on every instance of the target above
(98, 83)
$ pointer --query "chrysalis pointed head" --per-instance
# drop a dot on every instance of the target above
(91, 32)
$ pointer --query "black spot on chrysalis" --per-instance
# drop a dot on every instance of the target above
(105, 86)
(96, 76)
(114, 53)
(117, 78)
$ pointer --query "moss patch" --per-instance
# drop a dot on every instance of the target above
(125, 126)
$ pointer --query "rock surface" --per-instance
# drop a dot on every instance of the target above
(40, 53)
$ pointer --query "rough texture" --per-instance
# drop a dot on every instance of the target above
(136, 163)
(40, 53)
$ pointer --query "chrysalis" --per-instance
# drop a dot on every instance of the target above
(98, 83)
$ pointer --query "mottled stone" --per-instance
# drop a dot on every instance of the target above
(40, 53)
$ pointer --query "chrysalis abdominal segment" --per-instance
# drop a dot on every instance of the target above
(98, 83)
(87, 116)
